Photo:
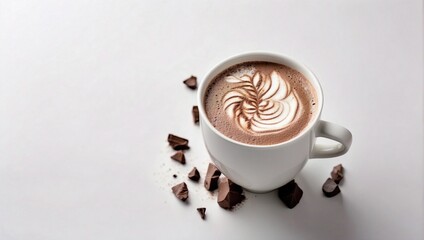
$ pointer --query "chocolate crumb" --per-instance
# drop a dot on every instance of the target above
(290, 194)
(212, 177)
(194, 174)
(177, 143)
(330, 188)
(181, 191)
(337, 173)
(202, 212)
(229, 194)
(174, 176)
(191, 82)
(179, 157)
(195, 112)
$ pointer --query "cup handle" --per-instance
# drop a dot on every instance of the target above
(336, 133)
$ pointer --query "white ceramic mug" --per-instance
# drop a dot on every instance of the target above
(262, 168)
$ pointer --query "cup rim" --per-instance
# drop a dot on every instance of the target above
(237, 59)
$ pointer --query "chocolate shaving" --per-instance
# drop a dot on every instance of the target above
(181, 191)
(195, 112)
(194, 174)
(337, 173)
(191, 82)
(330, 188)
(229, 194)
(202, 212)
(290, 194)
(178, 143)
(179, 157)
(212, 177)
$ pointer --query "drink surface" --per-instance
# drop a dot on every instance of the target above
(260, 103)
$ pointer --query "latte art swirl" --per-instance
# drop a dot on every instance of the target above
(261, 103)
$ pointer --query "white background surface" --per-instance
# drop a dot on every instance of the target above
(89, 91)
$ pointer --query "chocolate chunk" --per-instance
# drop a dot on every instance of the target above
(174, 176)
(195, 112)
(179, 157)
(337, 173)
(330, 188)
(290, 194)
(191, 82)
(194, 174)
(180, 191)
(202, 212)
(212, 177)
(177, 143)
(229, 194)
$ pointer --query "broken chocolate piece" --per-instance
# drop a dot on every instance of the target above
(191, 82)
(180, 191)
(202, 212)
(179, 157)
(178, 143)
(337, 173)
(330, 188)
(290, 194)
(229, 194)
(195, 112)
(212, 177)
(194, 174)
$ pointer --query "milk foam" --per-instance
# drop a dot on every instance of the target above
(260, 103)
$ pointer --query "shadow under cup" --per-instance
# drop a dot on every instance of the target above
(259, 168)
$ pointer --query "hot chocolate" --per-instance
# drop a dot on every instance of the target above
(260, 103)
